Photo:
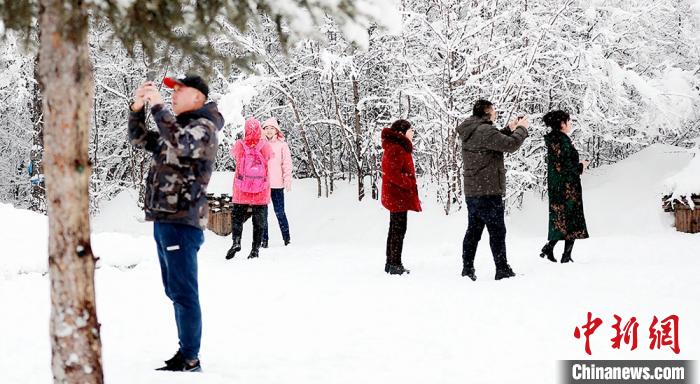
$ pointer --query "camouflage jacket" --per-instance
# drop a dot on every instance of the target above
(184, 152)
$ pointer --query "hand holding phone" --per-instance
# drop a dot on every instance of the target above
(519, 121)
(141, 95)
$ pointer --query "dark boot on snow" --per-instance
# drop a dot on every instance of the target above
(469, 272)
(178, 363)
(234, 248)
(548, 252)
(566, 258)
(397, 270)
(254, 253)
(504, 272)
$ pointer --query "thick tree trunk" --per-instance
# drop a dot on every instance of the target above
(67, 83)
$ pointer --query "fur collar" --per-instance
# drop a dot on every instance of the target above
(391, 136)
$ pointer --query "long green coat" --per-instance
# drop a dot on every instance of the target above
(566, 218)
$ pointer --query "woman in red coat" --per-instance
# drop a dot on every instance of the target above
(399, 189)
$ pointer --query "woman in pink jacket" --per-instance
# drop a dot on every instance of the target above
(280, 174)
(251, 186)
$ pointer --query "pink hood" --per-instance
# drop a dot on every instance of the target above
(252, 132)
(273, 122)
(251, 139)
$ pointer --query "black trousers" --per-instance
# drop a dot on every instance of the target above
(488, 212)
(394, 241)
(241, 213)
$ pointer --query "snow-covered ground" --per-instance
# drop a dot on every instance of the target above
(323, 311)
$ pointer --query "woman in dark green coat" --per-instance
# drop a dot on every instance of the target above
(566, 219)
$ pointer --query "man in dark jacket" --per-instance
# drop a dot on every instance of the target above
(184, 152)
(485, 182)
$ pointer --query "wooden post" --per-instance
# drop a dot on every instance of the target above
(219, 214)
(687, 220)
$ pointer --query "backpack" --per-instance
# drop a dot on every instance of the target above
(251, 174)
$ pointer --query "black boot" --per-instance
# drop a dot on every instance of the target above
(566, 256)
(254, 253)
(548, 252)
(234, 248)
(264, 244)
(469, 272)
(176, 358)
(504, 272)
(386, 267)
(286, 242)
(178, 363)
(397, 270)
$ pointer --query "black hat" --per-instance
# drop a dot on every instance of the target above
(192, 81)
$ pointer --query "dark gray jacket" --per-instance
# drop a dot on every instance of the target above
(184, 152)
(482, 153)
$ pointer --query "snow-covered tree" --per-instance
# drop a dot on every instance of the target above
(599, 60)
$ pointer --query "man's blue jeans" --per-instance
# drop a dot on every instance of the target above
(178, 245)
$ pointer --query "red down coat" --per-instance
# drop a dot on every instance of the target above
(399, 189)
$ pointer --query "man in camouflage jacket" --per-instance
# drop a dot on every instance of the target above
(184, 152)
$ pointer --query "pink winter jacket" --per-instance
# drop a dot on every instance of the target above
(252, 137)
(279, 168)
